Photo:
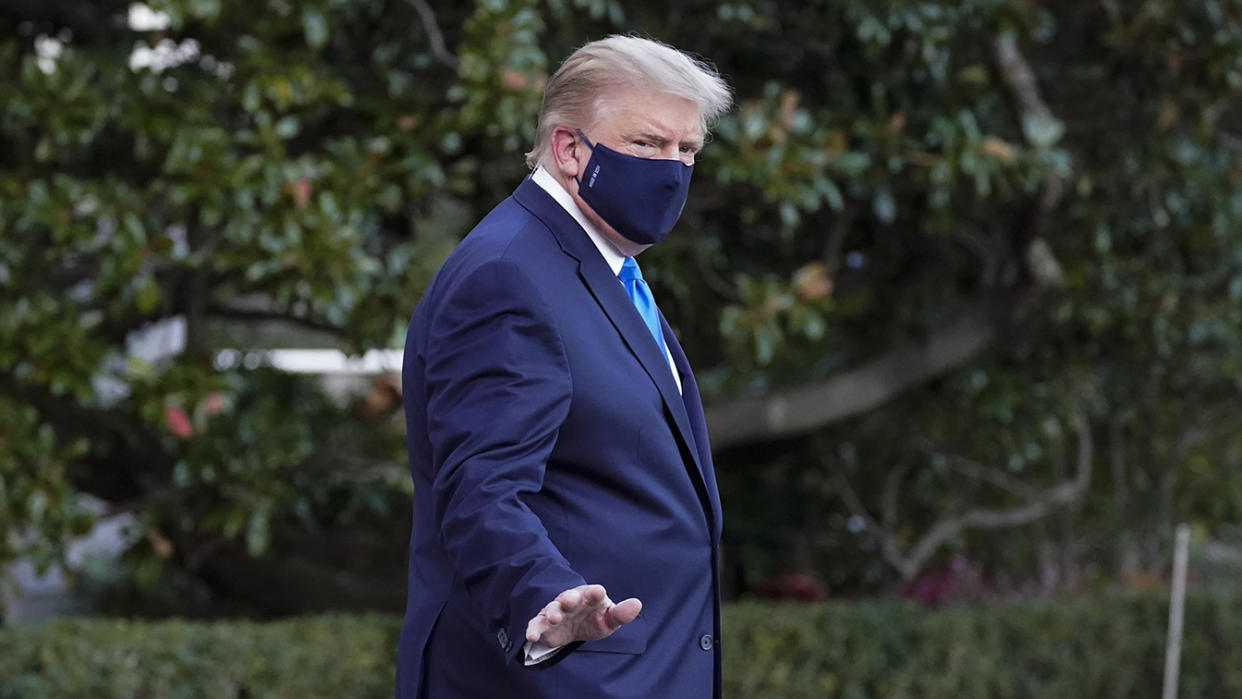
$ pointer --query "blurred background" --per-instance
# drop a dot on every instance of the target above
(961, 282)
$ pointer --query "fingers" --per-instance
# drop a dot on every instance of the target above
(624, 612)
(586, 595)
(593, 595)
(568, 599)
(551, 615)
(536, 627)
(544, 620)
(554, 612)
(580, 613)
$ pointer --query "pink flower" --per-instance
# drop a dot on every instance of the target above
(178, 422)
(213, 403)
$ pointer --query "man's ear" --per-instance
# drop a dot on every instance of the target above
(565, 151)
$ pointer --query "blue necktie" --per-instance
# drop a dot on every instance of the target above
(640, 294)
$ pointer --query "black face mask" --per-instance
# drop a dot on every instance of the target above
(639, 197)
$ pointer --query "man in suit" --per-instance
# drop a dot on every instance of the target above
(556, 436)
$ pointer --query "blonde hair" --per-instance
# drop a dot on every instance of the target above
(573, 93)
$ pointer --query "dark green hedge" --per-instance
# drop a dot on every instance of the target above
(1106, 646)
(330, 656)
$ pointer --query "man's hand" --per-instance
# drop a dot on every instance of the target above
(582, 613)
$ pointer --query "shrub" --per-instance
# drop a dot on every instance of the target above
(1099, 646)
(327, 656)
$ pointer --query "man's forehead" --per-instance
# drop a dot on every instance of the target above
(651, 112)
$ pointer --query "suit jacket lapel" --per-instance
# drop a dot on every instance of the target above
(611, 296)
(698, 426)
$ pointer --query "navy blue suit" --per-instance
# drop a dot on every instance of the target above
(550, 448)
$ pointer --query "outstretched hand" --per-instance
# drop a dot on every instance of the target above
(582, 613)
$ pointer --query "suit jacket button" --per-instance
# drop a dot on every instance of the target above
(705, 641)
(504, 640)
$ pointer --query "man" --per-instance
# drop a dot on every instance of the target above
(556, 437)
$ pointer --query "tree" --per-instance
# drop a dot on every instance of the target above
(943, 259)
(1043, 222)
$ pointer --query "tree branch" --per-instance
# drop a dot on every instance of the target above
(983, 518)
(1114, 13)
(836, 240)
(1020, 78)
(890, 549)
(992, 476)
(438, 48)
(1211, 428)
(797, 410)
(892, 489)
(1039, 504)
(800, 409)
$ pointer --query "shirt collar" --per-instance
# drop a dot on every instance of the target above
(611, 255)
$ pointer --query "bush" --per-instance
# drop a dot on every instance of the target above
(1099, 646)
(1085, 647)
(329, 656)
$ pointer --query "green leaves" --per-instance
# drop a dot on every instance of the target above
(315, 26)
(1042, 131)
(317, 159)
(259, 170)
(502, 70)
(774, 313)
(39, 511)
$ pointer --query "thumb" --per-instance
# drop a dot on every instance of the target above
(624, 612)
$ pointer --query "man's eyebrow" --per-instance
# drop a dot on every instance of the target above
(659, 140)
(648, 136)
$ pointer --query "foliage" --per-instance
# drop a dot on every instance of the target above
(308, 163)
(249, 183)
(1102, 647)
(949, 187)
(330, 656)
(1109, 646)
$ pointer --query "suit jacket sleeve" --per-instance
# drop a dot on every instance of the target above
(498, 389)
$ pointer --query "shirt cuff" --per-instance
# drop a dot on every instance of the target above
(537, 652)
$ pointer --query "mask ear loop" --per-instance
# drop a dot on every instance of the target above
(589, 145)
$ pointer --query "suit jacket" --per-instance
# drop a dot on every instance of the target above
(549, 448)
